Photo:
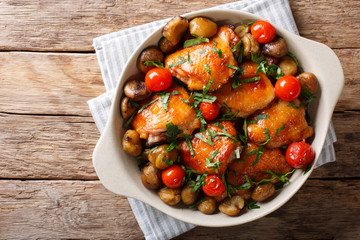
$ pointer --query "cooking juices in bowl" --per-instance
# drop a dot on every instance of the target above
(219, 122)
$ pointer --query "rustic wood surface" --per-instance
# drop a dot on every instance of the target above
(48, 186)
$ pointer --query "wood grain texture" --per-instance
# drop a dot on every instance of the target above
(320, 210)
(54, 83)
(48, 83)
(64, 209)
(60, 147)
(71, 25)
(78, 209)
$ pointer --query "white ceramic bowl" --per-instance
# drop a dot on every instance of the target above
(119, 172)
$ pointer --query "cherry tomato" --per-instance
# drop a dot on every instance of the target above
(263, 31)
(300, 154)
(209, 110)
(158, 79)
(173, 176)
(214, 186)
(288, 88)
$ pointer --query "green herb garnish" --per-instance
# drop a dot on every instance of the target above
(246, 185)
(196, 203)
(146, 105)
(182, 60)
(251, 204)
(194, 41)
(189, 59)
(127, 123)
(157, 64)
(234, 67)
(199, 182)
(151, 150)
(267, 135)
(295, 60)
(134, 104)
(236, 47)
(187, 140)
(257, 58)
(279, 129)
(168, 162)
(253, 79)
(214, 165)
(217, 51)
(258, 152)
(204, 139)
(165, 98)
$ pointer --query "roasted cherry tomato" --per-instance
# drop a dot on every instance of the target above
(288, 88)
(300, 154)
(209, 110)
(158, 79)
(173, 176)
(214, 186)
(263, 31)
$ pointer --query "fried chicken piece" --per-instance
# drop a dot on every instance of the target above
(270, 159)
(286, 124)
(224, 146)
(216, 54)
(151, 122)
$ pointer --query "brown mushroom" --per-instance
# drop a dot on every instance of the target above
(288, 66)
(170, 196)
(175, 29)
(147, 55)
(202, 27)
(166, 46)
(131, 143)
(251, 45)
(208, 205)
(126, 108)
(276, 48)
(151, 176)
(309, 82)
(188, 196)
(232, 206)
(263, 192)
(241, 30)
(136, 90)
(160, 157)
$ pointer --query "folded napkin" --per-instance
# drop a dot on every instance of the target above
(113, 50)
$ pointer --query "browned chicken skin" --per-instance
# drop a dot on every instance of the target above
(151, 122)
(288, 122)
(223, 145)
(193, 72)
(271, 159)
(247, 98)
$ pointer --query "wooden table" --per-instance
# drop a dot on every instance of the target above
(48, 186)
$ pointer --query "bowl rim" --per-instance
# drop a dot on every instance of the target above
(108, 139)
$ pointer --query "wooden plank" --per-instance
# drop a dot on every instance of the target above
(58, 147)
(53, 83)
(71, 25)
(64, 209)
(320, 210)
(48, 83)
(85, 209)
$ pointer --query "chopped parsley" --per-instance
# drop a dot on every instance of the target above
(225, 134)
(239, 60)
(248, 24)
(151, 150)
(244, 138)
(237, 46)
(253, 79)
(307, 101)
(306, 93)
(134, 104)
(195, 41)
(251, 204)
(199, 182)
(257, 58)
(267, 135)
(202, 51)
(187, 140)
(189, 59)
(262, 116)
(272, 70)
(157, 64)
(258, 152)
(217, 51)
(172, 132)
(165, 98)
(168, 162)
(182, 60)
(246, 185)
(204, 139)
(146, 105)
(295, 60)
(214, 165)
(279, 129)
(307, 169)
(127, 123)
(234, 67)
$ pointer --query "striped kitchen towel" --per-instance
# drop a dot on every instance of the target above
(113, 50)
